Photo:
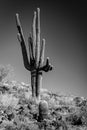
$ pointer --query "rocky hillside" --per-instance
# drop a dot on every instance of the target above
(18, 111)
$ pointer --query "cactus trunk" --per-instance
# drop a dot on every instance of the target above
(38, 83)
(33, 82)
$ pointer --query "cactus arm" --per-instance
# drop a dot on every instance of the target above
(22, 42)
(31, 53)
(47, 67)
(37, 49)
(19, 28)
(42, 49)
(34, 32)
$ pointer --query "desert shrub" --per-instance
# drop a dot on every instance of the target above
(9, 100)
(79, 117)
(62, 102)
(9, 113)
(52, 103)
(78, 101)
(77, 120)
(45, 96)
(71, 109)
(45, 125)
(65, 101)
(27, 95)
(31, 126)
(10, 127)
(83, 114)
(6, 72)
(59, 123)
(74, 119)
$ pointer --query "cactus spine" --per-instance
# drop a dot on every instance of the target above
(36, 53)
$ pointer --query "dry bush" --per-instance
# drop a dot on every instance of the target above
(6, 72)
(79, 118)
(9, 100)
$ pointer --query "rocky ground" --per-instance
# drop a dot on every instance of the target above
(18, 111)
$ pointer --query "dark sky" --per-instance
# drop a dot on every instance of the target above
(64, 26)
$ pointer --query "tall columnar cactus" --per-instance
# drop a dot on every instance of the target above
(36, 53)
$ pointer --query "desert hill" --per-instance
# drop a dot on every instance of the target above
(19, 111)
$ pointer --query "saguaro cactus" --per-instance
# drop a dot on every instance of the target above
(36, 53)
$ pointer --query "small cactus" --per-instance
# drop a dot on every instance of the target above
(43, 110)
